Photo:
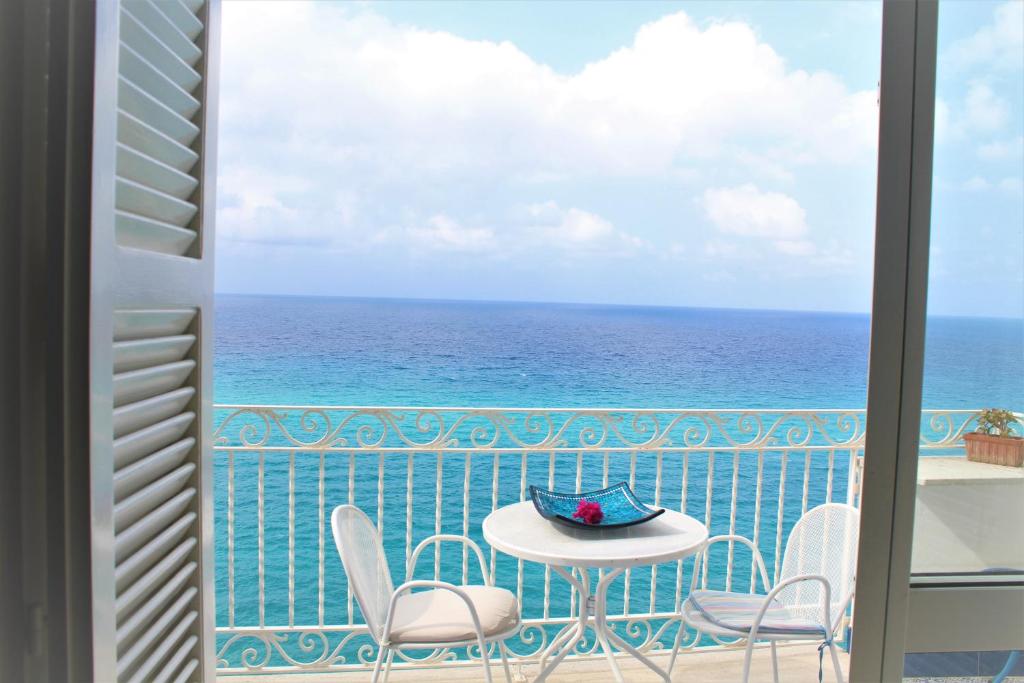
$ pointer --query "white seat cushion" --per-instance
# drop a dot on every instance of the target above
(440, 616)
(737, 611)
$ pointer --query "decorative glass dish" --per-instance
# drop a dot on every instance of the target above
(619, 505)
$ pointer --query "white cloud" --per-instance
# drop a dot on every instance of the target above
(748, 211)
(442, 233)
(574, 228)
(999, 44)
(984, 110)
(256, 205)
(1012, 148)
(372, 94)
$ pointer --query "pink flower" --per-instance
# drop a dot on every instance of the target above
(589, 513)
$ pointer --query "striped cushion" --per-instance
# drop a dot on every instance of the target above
(736, 611)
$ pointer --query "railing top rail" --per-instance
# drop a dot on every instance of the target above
(565, 409)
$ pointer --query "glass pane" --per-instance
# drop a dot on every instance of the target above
(970, 489)
(970, 484)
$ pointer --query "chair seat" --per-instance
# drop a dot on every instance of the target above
(440, 616)
(736, 612)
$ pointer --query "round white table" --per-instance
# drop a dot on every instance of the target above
(520, 531)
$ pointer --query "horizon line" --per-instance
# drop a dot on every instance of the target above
(592, 303)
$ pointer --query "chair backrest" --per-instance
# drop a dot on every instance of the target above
(366, 566)
(824, 542)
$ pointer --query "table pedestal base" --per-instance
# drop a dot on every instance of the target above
(591, 605)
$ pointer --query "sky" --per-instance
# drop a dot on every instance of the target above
(718, 154)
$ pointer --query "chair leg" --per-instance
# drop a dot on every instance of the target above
(387, 665)
(675, 645)
(504, 661)
(746, 660)
(775, 664)
(835, 661)
(485, 661)
(381, 656)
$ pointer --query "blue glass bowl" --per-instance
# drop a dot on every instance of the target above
(619, 504)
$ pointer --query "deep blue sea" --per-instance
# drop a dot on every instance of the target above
(286, 350)
(336, 351)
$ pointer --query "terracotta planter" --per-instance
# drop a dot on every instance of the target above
(996, 450)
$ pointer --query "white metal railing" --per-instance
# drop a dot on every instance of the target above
(282, 598)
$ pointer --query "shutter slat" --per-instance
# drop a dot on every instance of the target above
(154, 82)
(172, 665)
(133, 417)
(146, 556)
(135, 385)
(137, 134)
(152, 579)
(136, 198)
(140, 232)
(149, 172)
(141, 616)
(133, 477)
(133, 446)
(135, 354)
(160, 26)
(137, 535)
(141, 323)
(156, 629)
(134, 507)
(162, 649)
(183, 677)
(143, 106)
(182, 17)
(144, 42)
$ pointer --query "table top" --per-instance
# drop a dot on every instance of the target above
(520, 531)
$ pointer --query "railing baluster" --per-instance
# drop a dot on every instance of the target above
(708, 495)
(807, 482)
(380, 493)
(465, 517)
(522, 497)
(547, 568)
(320, 543)
(437, 513)
(351, 501)
(779, 521)
(629, 572)
(231, 538)
(494, 506)
(291, 538)
(408, 507)
(259, 539)
(732, 517)
(757, 519)
(604, 485)
(831, 474)
(657, 503)
(682, 508)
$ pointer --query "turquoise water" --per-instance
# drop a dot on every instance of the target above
(330, 351)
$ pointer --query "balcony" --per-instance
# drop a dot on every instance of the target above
(282, 599)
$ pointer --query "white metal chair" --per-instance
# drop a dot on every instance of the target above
(815, 587)
(443, 616)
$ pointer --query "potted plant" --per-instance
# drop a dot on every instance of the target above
(993, 441)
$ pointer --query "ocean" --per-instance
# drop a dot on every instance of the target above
(290, 350)
(286, 350)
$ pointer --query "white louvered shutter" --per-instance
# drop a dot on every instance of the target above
(151, 364)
